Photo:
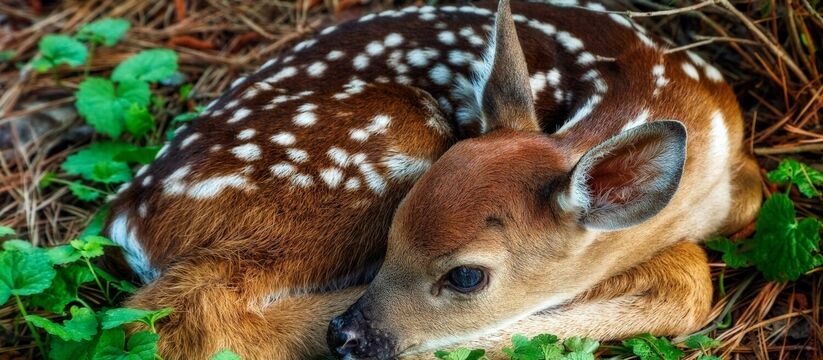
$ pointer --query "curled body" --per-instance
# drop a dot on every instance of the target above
(574, 169)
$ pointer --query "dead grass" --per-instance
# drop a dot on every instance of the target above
(766, 48)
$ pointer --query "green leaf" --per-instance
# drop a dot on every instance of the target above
(701, 342)
(648, 347)
(460, 354)
(225, 354)
(18, 245)
(24, 272)
(63, 254)
(524, 349)
(148, 65)
(581, 344)
(112, 346)
(104, 106)
(64, 288)
(7, 55)
(47, 179)
(71, 350)
(138, 120)
(801, 175)
(140, 155)
(85, 162)
(784, 248)
(81, 326)
(107, 31)
(119, 316)
(6, 231)
(83, 192)
(709, 357)
(732, 254)
(59, 49)
(95, 227)
(185, 91)
(111, 172)
(91, 246)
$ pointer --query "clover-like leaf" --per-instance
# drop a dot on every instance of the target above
(148, 65)
(81, 326)
(784, 248)
(732, 253)
(86, 162)
(107, 31)
(91, 246)
(104, 105)
(225, 354)
(64, 288)
(112, 345)
(24, 272)
(649, 347)
(138, 120)
(59, 49)
(115, 317)
(84, 192)
(6, 231)
(805, 177)
(701, 342)
(459, 354)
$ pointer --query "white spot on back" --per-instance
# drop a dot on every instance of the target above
(404, 167)
(440, 74)
(332, 176)
(361, 61)
(283, 169)
(334, 55)
(246, 152)
(297, 155)
(209, 188)
(238, 115)
(641, 119)
(284, 73)
(246, 134)
(283, 138)
(691, 71)
(447, 37)
(393, 39)
(189, 139)
(316, 69)
(375, 48)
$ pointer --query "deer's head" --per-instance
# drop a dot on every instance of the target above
(503, 225)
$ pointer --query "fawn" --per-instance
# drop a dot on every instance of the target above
(437, 176)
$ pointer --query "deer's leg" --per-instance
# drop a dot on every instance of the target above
(670, 294)
(746, 194)
(221, 305)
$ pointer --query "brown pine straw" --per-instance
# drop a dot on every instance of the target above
(767, 49)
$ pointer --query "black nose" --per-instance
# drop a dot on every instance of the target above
(343, 336)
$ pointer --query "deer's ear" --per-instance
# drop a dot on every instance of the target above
(501, 86)
(629, 178)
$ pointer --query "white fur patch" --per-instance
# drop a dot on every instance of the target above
(305, 119)
(316, 69)
(247, 152)
(352, 184)
(440, 74)
(332, 176)
(334, 55)
(375, 48)
(447, 37)
(421, 57)
(718, 141)
(302, 180)
(147, 180)
(209, 188)
(378, 125)
(126, 237)
(238, 115)
(360, 62)
(284, 73)
(691, 71)
(246, 134)
(297, 155)
(284, 138)
(641, 119)
(393, 39)
(404, 167)
(189, 139)
(283, 169)
(173, 184)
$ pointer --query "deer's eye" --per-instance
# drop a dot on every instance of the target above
(466, 279)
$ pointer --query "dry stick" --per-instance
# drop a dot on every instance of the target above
(759, 34)
(788, 150)
(709, 40)
(634, 14)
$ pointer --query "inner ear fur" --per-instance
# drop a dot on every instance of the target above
(629, 178)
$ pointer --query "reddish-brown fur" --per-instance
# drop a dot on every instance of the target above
(257, 269)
